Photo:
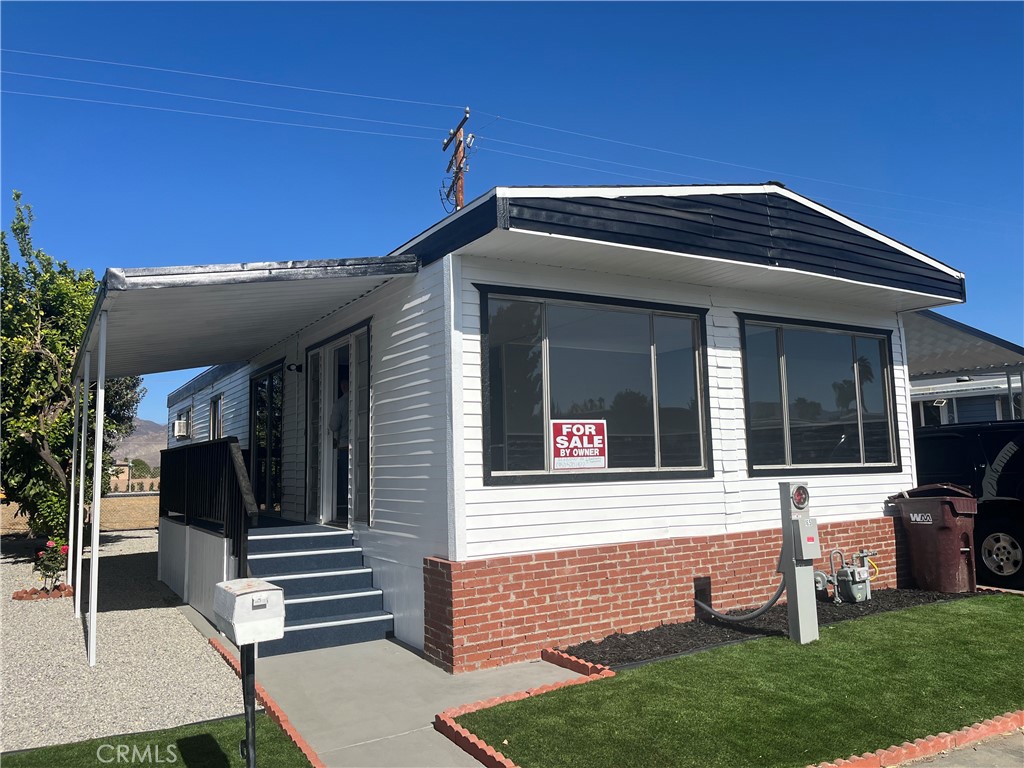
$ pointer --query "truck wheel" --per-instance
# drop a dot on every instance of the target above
(1000, 556)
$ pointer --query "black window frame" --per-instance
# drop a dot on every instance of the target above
(552, 477)
(793, 470)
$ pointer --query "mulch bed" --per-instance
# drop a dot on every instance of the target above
(619, 651)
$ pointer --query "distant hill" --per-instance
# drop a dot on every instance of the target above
(145, 443)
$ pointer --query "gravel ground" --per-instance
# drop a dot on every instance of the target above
(153, 669)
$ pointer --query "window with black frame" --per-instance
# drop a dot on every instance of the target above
(638, 370)
(817, 396)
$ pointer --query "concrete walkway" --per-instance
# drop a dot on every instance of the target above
(372, 705)
(1006, 751)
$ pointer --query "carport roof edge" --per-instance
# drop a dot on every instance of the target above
(330, 283)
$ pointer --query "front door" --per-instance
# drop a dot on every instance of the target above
(337, 431)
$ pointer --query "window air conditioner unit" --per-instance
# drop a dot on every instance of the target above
(181, 428)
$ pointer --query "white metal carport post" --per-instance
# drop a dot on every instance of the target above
(84, 436)
(72, 492)
(97, 476)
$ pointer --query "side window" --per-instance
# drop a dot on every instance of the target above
(816, 396)
(216, 417)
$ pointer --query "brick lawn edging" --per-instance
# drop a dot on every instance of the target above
(272, 708)
(932, 745)
(445, 724)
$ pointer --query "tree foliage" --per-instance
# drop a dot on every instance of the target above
(46, 306)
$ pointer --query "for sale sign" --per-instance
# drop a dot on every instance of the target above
(579, 445)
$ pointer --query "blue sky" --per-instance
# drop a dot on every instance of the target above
(907, 117)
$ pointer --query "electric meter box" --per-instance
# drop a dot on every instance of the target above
(806, 545)
(249, 610)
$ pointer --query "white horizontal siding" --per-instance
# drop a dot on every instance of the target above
(408, 419)
(234, 389)
(507, 520)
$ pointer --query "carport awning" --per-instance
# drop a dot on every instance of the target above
(938, 346)
(172, 318)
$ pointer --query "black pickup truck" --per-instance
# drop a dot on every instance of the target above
(989, 459)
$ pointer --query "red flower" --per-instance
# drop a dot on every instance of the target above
(50, 544)
(64, 549)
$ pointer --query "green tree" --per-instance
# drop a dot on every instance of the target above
(46, 306)
(141, 469)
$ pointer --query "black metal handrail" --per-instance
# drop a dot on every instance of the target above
(207, 483)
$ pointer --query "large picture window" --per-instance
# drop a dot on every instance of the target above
(817, 396)
(636, 368)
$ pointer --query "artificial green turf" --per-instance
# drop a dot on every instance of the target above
(203, 745)
(865, 685)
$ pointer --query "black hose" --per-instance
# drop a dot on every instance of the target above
(747, 616)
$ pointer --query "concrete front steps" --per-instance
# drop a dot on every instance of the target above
(329, 597)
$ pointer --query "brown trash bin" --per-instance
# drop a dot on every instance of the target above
(939, 521)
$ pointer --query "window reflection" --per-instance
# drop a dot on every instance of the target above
(822, 391)
(516, 386)
(594, 363)
(601, 369)
(678, 403)
(766, 440)
(837, 403)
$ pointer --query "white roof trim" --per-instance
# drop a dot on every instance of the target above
(868, 231)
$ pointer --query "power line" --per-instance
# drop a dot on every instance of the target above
(736, 165)
(598, 159)
(579, 134)
(225, 117)
(232, 79)
(941, 225)
(572, 165)
(222, 101)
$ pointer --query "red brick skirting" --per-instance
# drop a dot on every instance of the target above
(273, 710)
(486, 613)
(445, 724)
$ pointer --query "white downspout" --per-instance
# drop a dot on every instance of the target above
(84, 436)
(97, 477)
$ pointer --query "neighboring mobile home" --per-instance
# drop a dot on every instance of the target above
(568, 409)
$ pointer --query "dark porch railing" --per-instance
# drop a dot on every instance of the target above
(208, 484)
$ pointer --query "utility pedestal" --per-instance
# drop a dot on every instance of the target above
(800, 546)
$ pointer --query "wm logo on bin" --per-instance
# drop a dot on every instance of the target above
(921, 517)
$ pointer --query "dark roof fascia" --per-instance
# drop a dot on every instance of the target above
(487, 213)
(498, 209)
(764, 240)
(971, 331)
(203, 380)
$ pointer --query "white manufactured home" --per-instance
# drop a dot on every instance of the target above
(566, 412)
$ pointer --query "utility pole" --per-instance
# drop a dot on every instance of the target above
(455, 193)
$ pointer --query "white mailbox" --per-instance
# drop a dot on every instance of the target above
(249, 610)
